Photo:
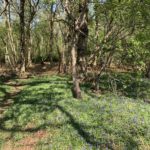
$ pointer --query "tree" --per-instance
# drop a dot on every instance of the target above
(32, 7)
(77, 16)
(22, 37)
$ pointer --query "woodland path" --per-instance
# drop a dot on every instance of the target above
(28, 143)
(9, 97)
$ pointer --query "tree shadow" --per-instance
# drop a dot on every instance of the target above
(43, 102)
(90, 139)
(35, 100)
(7, 77)
(3, 99)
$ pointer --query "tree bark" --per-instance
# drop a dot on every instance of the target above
(76, 87)
(32, 11)
(28, 43)
(22, 37)
(51, 32)
(82, 27)
(77, 17)
(62, 63)
(11, 53)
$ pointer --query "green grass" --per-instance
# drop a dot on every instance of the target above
(4, 89)
(96, 122)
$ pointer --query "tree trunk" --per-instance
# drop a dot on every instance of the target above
(51, 30)
(28, 43)
(78, 34)
(11, 53)
(22, 37)
(76, 88)
(82, 27)
(62, 60)
(32, 11)
(62, 63)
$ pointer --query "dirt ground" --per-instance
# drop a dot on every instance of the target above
(35, 70)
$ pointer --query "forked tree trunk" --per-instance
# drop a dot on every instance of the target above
(78, 32)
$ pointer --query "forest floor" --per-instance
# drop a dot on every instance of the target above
(39, 113)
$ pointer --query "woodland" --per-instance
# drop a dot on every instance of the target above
(75, 74)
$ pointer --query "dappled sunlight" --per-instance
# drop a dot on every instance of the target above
(46, 105)
(74, 75)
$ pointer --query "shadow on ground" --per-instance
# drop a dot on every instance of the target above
(37, 102)
(47, 104)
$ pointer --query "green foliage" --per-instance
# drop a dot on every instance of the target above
(132, 85)
(96, 122)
